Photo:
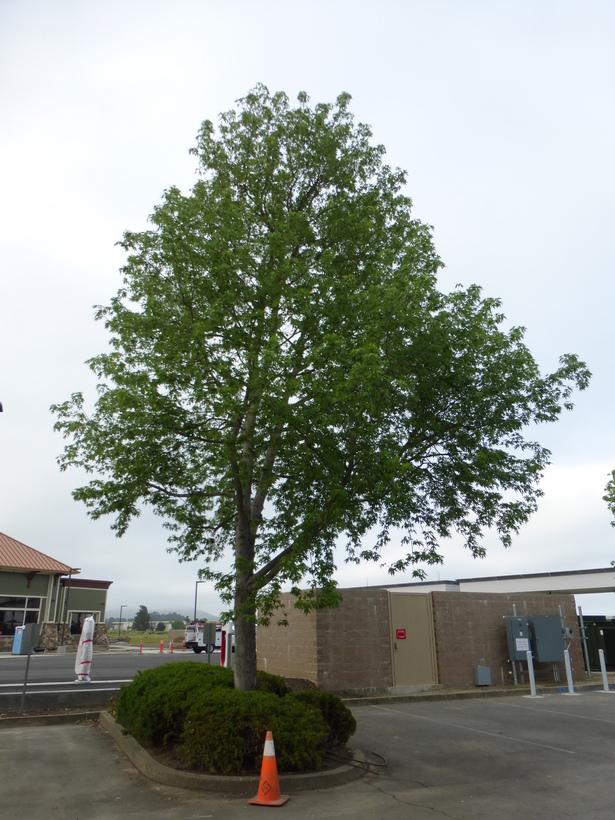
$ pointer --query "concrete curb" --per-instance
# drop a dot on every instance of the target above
(239, 786)
(380, 700)
(8, 721)
(80, 698)
(468, 694)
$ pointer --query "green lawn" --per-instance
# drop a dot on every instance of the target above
(150, 638)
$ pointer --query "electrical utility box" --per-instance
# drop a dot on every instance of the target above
(547, 638)
(26, 639)
(518, 635)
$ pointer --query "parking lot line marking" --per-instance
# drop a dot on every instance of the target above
(476, 731)
(557, 712)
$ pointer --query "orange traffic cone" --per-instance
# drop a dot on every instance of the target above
(171, 646)
(161, 647)
(269, 788)
(141, 647)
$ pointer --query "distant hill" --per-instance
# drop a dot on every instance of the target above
(167, 616)
(206, 616)
(176, 616)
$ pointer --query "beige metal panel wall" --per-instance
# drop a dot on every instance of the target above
(413, 648)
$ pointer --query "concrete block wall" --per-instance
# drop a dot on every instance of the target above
(341, 650)
(347, 650)
(470, 631)
(354, 648)
(290, 650)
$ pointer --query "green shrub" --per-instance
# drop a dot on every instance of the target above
(153, 707)
(266, 682)
(338, 719)
(193, 706)
(224, 732)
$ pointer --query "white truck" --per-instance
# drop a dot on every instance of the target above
(205, 636)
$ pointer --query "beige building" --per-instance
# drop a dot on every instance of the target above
(404, 638)
(35, 588)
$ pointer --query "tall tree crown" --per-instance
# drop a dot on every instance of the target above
(285, 372)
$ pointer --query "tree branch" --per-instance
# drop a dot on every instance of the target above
(196, 494)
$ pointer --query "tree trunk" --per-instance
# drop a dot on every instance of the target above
(245, 654)
(245, 622)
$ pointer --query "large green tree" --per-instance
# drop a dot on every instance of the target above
(285, 376)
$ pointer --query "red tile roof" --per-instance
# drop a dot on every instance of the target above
(17, 556)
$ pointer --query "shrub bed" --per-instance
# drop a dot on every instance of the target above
(224, 733)
(153, 707)
(193, 710)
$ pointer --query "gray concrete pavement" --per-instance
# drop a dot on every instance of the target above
(511, 757)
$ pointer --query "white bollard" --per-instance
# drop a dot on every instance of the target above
(605, 680)
(228, 660)
(530, 669)
(568, 673)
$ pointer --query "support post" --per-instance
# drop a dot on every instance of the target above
(25, 683)
(584, 639)
(514, 663)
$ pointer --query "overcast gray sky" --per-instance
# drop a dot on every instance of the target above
(501, 112)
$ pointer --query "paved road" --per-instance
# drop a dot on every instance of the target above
(485, 759)
(51, 678)
(105, 665)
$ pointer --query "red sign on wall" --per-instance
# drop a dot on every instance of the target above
(400, 634)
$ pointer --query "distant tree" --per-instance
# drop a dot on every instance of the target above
(142, 622)
(609, 497)
(161, 626)
(178, 624)
(286, 377)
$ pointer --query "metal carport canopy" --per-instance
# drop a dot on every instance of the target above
(575, 582)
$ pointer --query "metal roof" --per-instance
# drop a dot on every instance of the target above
(85, 583)
(574, 582)
(15, 557)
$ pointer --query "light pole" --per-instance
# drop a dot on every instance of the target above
(196, 591)
(66, 601)
(119, 632)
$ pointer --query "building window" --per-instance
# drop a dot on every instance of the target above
(77, 619)
(16, 611)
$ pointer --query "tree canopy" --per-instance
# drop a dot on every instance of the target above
(286, 377)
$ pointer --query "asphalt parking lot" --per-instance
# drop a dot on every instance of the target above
(500, 757)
